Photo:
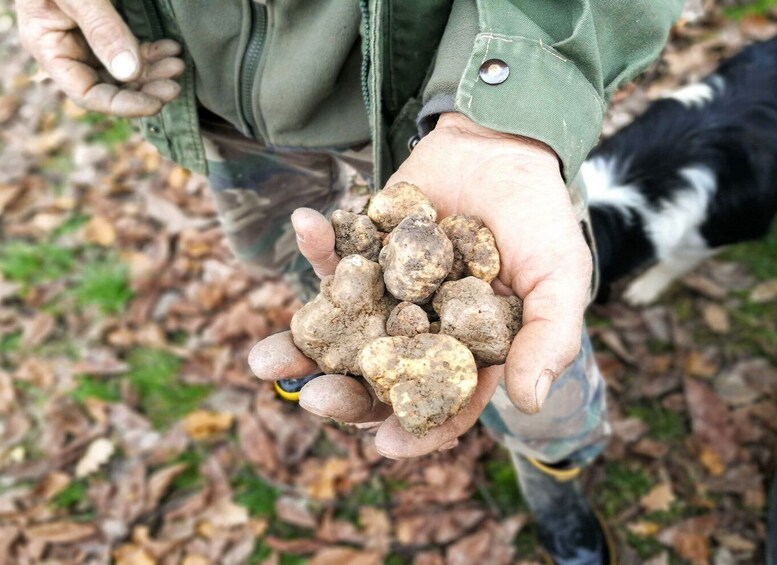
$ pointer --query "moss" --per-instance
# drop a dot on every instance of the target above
(254, 493)
(35, 263)
(106, 389)
(749, 8)
(502, 485)
(664, 425)
(623, 485)
(103, 283)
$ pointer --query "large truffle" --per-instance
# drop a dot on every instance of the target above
(426, 379)
(350, 312)
(416, 259)
(471, 312)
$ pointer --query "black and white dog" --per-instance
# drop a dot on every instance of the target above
(697, 171)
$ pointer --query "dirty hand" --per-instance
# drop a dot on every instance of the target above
(514, 185)
(88, 50)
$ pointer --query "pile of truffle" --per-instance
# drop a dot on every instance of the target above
(410, 306)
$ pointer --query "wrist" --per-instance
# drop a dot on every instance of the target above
(536, 152)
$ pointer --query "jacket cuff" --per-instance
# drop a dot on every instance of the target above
(545, 97)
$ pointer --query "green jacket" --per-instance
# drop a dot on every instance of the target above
(306, 74)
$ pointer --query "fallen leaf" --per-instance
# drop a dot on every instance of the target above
(643, 528)
(60, 532)
(324, 484)
(691, 538)
(658, 499)
(697, 365)
(711, 461)
(345, 556)
(764, 292)
(295, 511)
(206, 424)
(377, 528)
(710, 419)
(705, 286)
(97, 454)
(99, 231)
(716, 318)
(131, 554)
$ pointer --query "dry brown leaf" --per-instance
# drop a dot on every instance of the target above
(206, 424)
(697, 365)
(711, 461)
(63, 531)
(345, 556)
(295, 511)
(643, 528)
(658, 499)
(710, 419)
(324, 484)
(99, 231)
(97, 454)
(691, 538)
(716, 318)
(52, 484)
(37, 329)
(131, 554)
(377, 528)
(705, 286)
(764, 292)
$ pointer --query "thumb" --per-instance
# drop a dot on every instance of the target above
(109, 37)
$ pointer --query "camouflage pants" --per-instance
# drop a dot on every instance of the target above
(257, 189)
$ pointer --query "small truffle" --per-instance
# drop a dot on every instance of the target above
(355, 234)
(395, 203)
(350, 312)
(474, 248)
(407, 319)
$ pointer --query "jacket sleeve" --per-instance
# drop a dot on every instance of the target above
(565, 59)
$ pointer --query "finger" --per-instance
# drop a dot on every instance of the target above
(158, 50)
(167, 68)
(276, 357)
(163, 90)
(316, 240)
(501, 289)
(109, 37)
(546, 344)
(394, 442)
(344, 399)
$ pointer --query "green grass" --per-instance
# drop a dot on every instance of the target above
(255, 494)
(73, 495)
(622, 486)
(11, 342)
(664, 425)
(190, 478)
(106, 389)
(103, 284)
(163, 398)
(759, 256)
(753, 8)
(153, 375)
(502, 485)
(35, 263)
(108, 131)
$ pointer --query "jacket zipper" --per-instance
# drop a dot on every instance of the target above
(250, 65)
(365, 70)
(154, 20)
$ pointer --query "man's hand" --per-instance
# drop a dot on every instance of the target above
(91, 54)
(514, 185)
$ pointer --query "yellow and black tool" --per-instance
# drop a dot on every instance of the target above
(288, 389)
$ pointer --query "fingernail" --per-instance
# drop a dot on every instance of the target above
(124, 65)
(542, 387)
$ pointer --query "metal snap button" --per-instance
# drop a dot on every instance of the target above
(412, 142)
(494, 71)
(154, 129)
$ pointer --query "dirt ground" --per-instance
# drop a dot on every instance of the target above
(132, 430)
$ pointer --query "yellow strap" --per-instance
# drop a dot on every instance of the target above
(290, 396)
(562, 475)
